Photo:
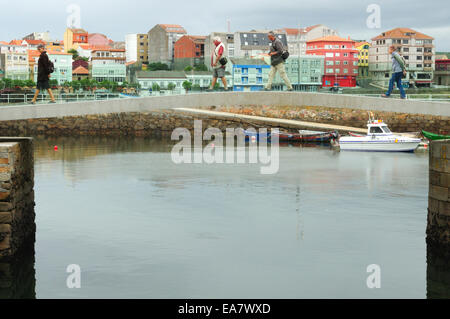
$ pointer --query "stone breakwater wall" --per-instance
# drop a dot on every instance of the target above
(398, 122)
(163, 122)
(438, 230)
(155, 123)
(17, 216)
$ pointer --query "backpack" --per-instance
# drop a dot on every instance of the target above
(223, 61)
(51, 67)
(285, 55)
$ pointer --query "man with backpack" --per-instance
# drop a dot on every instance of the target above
(218, 62)
(398, 71)
(45, 69)
(277, 57)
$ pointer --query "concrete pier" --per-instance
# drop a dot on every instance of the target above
(17, 217)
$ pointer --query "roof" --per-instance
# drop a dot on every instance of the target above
(80, 70)
(175, 28)
(108, 49)
(3, 42)
(307, 29)
(57, 53)
(245, 61)
(404, 33)
(78, 31)
(161, 74)
(331, 38)
(32, 54)
(35, 42)
(16, 42)
(94, 47)
(441, 57)
(130, 63)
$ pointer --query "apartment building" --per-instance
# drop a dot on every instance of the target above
(14, 63)
(162, 38)
(416, 48)
(189, 51)
(253, 43)
(248, 74)
(442, 71)
(341, 60)
(136, 46)
(109, 65)
(44, 36)
(297, 37)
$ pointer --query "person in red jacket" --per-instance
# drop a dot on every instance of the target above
(43, 75)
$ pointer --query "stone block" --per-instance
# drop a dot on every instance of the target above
(5, 207)
(439, 193)
(439, 179)
(5, 244)
(439, 165)
(6, 217)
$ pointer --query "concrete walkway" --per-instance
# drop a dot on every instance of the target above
(276, 121)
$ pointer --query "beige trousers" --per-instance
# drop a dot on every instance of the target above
(281, 69)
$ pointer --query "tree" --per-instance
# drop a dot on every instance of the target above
(200, 67)
(74, 53)
(155, 87)
(187, 85)
(157, 66)
(196, 87)
(171, 86)
(188, 68)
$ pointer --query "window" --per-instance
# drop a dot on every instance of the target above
(345, 54)
(345, 62)
(376, 130)
(405, 41)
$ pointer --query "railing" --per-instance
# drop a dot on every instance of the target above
(62, 97)
(21, 99)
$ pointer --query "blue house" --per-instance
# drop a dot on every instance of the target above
(248, 74)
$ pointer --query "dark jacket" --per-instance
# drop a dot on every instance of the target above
(43, 67)
(277, 46)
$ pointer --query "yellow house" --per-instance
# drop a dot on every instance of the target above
(363, 58)
(73, 38)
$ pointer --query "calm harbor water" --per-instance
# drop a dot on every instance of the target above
(140, 226)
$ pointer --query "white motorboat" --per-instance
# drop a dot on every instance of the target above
(379, 138)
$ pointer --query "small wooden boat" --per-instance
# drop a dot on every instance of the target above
(435, 137)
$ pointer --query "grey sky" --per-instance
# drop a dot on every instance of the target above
(116, 18)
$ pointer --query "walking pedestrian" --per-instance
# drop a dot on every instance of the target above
(45, 67)
(277, 62)
(398, 71)
(217, 59)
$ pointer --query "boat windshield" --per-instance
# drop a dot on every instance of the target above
(375, 130)
(386, 130)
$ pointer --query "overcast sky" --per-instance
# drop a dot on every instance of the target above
(115, 18)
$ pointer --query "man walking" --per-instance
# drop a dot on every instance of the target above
(276, 62)
(398, 71)
(43, 75)
(218, 68)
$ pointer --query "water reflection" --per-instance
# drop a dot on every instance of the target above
(438, 273)
(17, 275)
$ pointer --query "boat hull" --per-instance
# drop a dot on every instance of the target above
(383, 145)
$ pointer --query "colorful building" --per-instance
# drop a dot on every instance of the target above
(248, 74)
(14, 62)
(189, 51)
(109, 65)
(341, 60)
(416, 48)
(74, 37)
(98, 39)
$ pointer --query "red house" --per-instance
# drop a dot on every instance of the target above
(341, 60)
(190, 46)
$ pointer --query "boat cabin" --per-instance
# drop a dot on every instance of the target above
(378, 128)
